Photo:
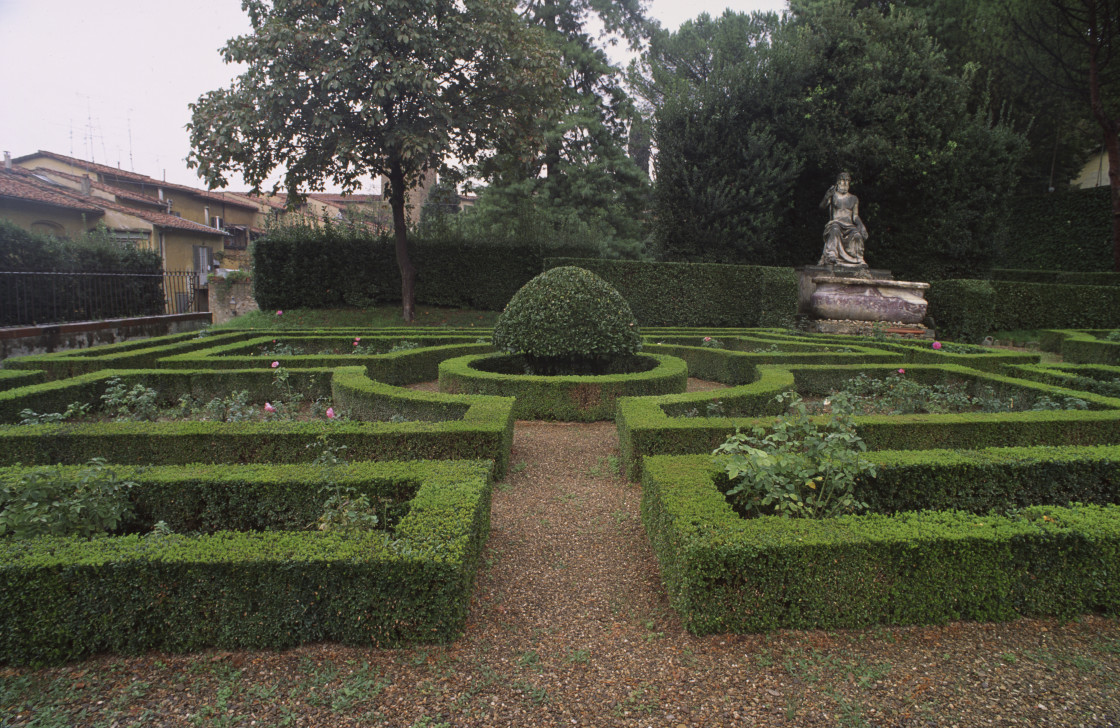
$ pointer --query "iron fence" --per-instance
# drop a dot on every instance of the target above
(37, 297)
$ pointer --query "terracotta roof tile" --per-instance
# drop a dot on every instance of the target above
(133, 177)
(23, 184)
(20, 184)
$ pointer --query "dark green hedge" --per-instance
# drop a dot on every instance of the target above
(1040, 306)
(359, 271)
(962, 310)
(652, 425)
(1104, 278)
(999, 479)
(968, 310)
(1064, 230)
(729, 574)
(66, 598)
(698, 294)
(564, 398)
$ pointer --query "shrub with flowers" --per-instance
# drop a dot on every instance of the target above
(710, 343)
(797, 468)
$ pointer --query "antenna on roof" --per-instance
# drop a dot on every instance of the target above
(131, 166)
(89, 130)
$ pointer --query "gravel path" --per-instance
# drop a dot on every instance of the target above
(570, 627)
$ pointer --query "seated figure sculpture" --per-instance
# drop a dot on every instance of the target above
(845, 233)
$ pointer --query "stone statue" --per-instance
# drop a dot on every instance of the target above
(845, 233)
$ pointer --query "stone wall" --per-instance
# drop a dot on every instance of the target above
(229, 300)
(43, 339)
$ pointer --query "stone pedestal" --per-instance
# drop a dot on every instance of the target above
(807, 273)
(842, 298)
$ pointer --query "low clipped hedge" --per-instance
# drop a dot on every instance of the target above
(991, 479)
(1082, 347)
(66, 598)
(140, 354)
(724, 573)
(647, 426)
(583, 398)
(11, 378)
(698, 294)
(484, 430)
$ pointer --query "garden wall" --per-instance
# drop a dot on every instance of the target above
(698, 294)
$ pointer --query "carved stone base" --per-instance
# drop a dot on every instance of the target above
(867, 328)
(844, 298)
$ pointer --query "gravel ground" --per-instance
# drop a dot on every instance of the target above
(570, 627)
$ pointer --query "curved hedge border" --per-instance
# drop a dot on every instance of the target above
(646, 427)
(728, 574)
(65, 598)
(565, 398)
(1082, 346)
(485, 430)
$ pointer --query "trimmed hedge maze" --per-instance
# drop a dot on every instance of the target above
(972, 516)
(243, 565)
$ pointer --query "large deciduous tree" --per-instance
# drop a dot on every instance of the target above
(1073, 47)
(341, 90)
(582, 169)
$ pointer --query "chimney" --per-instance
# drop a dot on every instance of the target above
(87, 187)
(7, 160)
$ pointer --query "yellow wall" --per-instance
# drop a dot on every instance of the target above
(26, 215)
(1094, 173)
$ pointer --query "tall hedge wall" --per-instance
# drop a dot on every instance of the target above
(967, 310)
(339, 269)
(698, 294)
(1065, 230)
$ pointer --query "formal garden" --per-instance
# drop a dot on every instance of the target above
(219, 498)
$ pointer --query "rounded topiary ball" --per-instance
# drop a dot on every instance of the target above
(570, 318)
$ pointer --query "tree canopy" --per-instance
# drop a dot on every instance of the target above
(341, 90)
(582, 168)
(758, 114)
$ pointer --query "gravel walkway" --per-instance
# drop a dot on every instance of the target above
(570, 627)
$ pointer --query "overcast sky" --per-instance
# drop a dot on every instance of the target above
(110, 81)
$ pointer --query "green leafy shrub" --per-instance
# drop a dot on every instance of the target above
(46, 502)
(137, 404)
(73, 411)
(568, 320)
(796, 468)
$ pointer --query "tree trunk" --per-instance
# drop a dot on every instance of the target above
(400, 234)
(1110, 126)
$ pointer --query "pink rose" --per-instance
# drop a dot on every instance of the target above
(279, 312)
(275, 364)
(937, 345)
(707, 338)
(330, 413)
(355, 343)
(357, 339)
(268, 407)
(901, 371)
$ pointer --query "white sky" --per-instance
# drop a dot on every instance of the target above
(110, 81)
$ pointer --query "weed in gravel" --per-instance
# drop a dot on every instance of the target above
(529, 659)
(427, 722)
(850, 714)
(764, 659)
(1112, 646)
(643, 699)
(518, 467)
(1009, 658)
(605, 467)
(359, 687)
(535, 695)
(578, 657)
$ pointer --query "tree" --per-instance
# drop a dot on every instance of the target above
(582, 168)
(1076, 46)
(342, 90)
(797, 100)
